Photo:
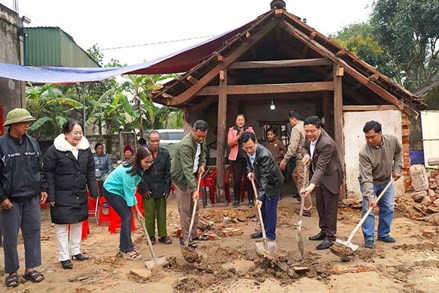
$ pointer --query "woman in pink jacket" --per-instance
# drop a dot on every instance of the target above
(237, 158)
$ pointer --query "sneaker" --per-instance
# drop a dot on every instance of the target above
(369, 244)
(387, 239)
(153, 240)
(251, 204)
(236, 204)
(256, 235)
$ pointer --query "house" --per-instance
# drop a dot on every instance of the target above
(11, 46)
(279, 60)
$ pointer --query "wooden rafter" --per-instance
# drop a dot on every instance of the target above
(349, 69)
(280, 63)
(270, 88)
(191, 91)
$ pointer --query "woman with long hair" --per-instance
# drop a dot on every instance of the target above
(120, 192)
(70, 170)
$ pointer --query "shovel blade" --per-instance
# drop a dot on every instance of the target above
(266, 247)
(158, 262)
(350, 245)
(300, 245)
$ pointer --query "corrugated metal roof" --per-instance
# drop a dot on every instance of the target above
(51, 46)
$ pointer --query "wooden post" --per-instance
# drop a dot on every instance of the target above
(326, 109)
(221, 135)
(338, 119)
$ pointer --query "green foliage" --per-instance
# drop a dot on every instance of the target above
(108, 103)
(359, 39)
(49, 106)
(432, 99)
(409, 30)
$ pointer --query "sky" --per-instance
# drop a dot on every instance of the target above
(143, 30)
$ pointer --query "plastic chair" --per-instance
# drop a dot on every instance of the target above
(139, 198)
(115, 220)
(85, 229)
(101, 216)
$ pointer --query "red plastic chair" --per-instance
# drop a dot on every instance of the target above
(85, 229)
(101, 216)
(139, 198)
(115, 220)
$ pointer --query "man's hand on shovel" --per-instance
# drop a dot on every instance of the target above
(304, 192)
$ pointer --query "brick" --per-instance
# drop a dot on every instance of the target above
(212, 236)
(237, 232)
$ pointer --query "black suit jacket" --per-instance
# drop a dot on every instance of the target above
(268, 175)
(326, 166)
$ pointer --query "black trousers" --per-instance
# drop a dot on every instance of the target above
(239, 168)
(327, 204)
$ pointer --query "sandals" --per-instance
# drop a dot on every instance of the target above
(131, 255)
(34, 276)
(12, 280)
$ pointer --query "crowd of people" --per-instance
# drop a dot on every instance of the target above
(70, 172)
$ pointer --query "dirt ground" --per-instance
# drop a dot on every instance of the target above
(230, 264)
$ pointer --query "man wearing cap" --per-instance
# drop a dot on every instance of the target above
(22, 189)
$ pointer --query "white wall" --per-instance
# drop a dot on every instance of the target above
(391, 121)
(430, 134)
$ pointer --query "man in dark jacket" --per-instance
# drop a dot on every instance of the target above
(321, 152)
(268, 176)
(23, 188)
(188, 163)
(155, 188)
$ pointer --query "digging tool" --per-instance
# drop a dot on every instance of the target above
(302, 206)
(190, 255)
(155, 261)
(347, 248)
(266, 247)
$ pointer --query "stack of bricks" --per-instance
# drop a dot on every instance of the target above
(406, 152)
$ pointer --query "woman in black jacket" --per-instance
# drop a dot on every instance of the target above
(70, 169)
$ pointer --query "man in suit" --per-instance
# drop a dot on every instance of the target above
(268, 176)
(321, 152)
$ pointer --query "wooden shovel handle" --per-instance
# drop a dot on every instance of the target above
(264, 235)
(186, 243)
(368, 212)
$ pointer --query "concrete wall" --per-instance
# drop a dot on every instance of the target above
(354, 139)
(12, 93)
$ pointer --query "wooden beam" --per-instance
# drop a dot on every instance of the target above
(338, 121)
(204, 103)
(190, 92)
(281, 63)
(192, 79)
(349, 69)
(221, 137)
(326, 108)
(369, 108)
(270, 88)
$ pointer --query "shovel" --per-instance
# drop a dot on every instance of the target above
(190, 255)
(346, 248)
(265, 247)
(299, 223)
(156, 261)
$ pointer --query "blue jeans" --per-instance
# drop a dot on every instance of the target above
(124, 211)
(386, 213)
(269, 215)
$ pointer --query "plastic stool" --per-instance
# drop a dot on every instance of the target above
(139, 198)
(115, 220)
(85, 229)
(101, 216)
